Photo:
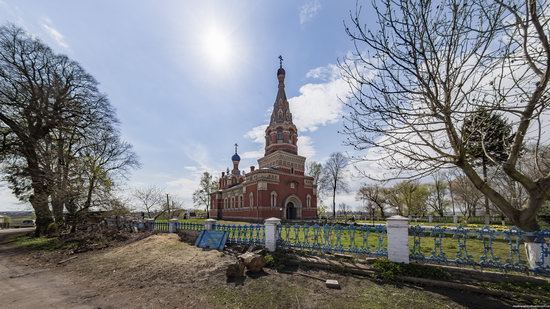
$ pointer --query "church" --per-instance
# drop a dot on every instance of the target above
(279, 187)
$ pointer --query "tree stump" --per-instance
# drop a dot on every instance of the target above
(253, 262)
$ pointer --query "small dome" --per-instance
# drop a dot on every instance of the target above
(235, 157)
(281, 71)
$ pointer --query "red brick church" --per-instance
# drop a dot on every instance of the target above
(278, 188)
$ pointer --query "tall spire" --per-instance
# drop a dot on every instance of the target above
(281, 134)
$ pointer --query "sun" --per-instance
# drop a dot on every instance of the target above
(216, 46)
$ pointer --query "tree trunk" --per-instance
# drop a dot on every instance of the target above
(39, 202)
(57, 208)
(334, 202)
(484, 164)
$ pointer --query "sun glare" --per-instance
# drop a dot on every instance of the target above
(217, 47)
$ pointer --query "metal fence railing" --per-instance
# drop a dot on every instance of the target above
(357, 239)
(482, 247)
(245, 234)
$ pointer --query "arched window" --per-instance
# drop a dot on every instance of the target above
(292, 170)
(232, 202)
(241, 201)
(225, 203)
(273, 199)
(308, 201)
(251, 198)
(279, 136)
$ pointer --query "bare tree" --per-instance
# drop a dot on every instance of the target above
(334, 175)
(430, 65)
(437, 194)
(201, 196)
(315, 170)
(376, 196)
(467, 195)
(150, 197)
(343, 209)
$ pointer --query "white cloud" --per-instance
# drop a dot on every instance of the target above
(54, 33)
(309, 10)
(305, 146)
(319, 104)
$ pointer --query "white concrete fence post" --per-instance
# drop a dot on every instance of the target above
(209, 224)
(172, 225)
(271, 233)
(430, 218)
(455, 219)
(398, 239)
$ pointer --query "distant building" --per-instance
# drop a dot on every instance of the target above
(279, 187)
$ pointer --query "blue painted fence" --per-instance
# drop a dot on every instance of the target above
(484, 247)
(334, 238)
(244, 234)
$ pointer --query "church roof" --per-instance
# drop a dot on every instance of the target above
(281, 109)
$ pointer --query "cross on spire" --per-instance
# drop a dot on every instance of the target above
(236, 145)
(280, 61)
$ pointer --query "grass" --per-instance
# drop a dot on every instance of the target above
(38, 243)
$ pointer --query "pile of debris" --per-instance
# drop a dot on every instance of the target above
(94, 236)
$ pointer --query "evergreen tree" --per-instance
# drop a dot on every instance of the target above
(486, 139)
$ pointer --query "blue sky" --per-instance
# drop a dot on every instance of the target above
(191, 78)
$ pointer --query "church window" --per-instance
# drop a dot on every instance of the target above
(241, 201)
(251, 198)
(273, 199)
(292, 170)
(279, 136)
(308, 201)
(292, 185)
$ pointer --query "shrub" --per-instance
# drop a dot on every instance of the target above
(388, 270)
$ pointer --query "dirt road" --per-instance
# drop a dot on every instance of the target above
(26, 287)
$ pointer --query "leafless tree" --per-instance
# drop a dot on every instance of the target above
(376, 195)
(429, 65)
(333, 178)
(201, 196)
(437, 198)
(344, 209)
(150, 197)
(467, 195)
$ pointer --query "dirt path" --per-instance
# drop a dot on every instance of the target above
(30, 287)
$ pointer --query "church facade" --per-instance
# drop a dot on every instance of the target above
(279, 187)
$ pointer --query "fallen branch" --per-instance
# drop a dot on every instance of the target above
(66, 260)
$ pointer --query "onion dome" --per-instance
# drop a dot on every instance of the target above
(236, 156)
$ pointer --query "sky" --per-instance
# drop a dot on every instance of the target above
(189, 79)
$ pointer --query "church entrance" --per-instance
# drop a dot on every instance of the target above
(290, 211)
(293, 208)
